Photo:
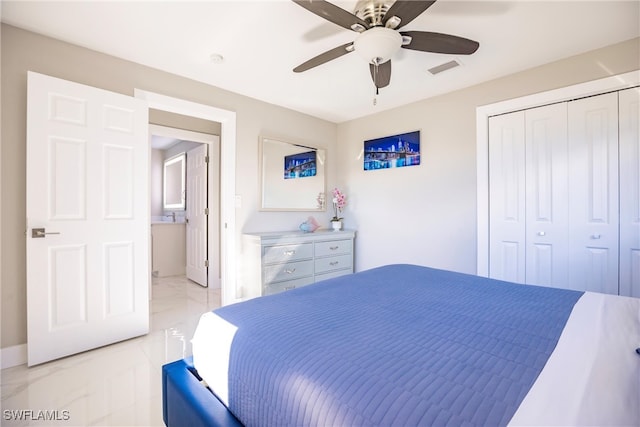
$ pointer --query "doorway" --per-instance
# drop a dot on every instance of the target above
(227, 120)
(182, 243)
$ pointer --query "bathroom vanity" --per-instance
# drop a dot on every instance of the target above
(168, 248)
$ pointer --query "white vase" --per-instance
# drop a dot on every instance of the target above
(336, 225)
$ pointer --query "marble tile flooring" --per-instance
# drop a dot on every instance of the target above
(116, 385)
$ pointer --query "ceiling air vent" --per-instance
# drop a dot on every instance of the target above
(443, 67)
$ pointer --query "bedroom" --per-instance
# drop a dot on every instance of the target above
(445, 212)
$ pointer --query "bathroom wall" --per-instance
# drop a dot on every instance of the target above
(157, 159)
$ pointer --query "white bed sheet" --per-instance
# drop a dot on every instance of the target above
(592, 377)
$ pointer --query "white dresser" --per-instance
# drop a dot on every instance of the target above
(278, 261)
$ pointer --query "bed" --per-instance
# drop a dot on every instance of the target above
(410, 345)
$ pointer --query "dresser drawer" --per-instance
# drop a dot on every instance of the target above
(285, 253)
(333, 263)
(274, 288)
(334, 247)
(287, 271)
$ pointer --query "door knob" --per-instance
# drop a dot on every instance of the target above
(38, 233)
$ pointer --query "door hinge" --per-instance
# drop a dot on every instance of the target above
(206, 263)
(206, 211)
(206, 159)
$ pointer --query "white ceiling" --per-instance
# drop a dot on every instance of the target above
(262, 41)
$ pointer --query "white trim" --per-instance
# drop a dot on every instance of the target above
(595, 87)
(227, 120)
(13, 356)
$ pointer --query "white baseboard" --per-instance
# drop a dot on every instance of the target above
(13, 356)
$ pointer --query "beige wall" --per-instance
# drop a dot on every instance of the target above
(426, 214)
(23, 50)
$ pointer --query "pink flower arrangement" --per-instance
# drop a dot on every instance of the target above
(339, 202)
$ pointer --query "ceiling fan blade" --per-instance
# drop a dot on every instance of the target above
(382, 76)
(335, 14)
(440, 43)
(327, 56)
(407, 11)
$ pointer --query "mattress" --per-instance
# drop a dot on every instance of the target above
(441, 348)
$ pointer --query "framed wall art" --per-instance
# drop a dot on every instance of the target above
(394, 151)
(300, 165)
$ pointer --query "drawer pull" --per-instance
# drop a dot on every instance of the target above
(334, 263)
(289, 253)
(287, 288)
(333, 248)
(290, 270)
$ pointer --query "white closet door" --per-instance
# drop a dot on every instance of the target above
(546, 195)
(629, 121)
(507, 197)
(593, 194)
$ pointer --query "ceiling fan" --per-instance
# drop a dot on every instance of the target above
(377, 22)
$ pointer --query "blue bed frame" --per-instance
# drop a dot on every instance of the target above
(187, 402)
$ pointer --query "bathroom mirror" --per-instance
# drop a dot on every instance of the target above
(292, 176)
(174, 182)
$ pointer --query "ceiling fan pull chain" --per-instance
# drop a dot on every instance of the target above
(375, 80)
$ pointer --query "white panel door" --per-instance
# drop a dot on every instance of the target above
(87, 185)
(197, 208)
(629, 118)
(507, 197)
(546, 200)
(593, 193)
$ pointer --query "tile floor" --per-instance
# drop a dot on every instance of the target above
(117, 385)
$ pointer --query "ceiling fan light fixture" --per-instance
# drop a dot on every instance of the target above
(377, 45)
(358, 28)
(393, 22)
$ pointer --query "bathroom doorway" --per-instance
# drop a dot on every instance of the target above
(185, 235)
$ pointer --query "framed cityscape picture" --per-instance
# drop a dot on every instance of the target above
(300, 165)
(392, 151)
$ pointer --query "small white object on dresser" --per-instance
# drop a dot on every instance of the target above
(278, 261)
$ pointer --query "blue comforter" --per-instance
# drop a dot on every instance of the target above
(395, 345)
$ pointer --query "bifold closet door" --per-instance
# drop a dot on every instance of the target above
(528, 196)
(546, 195)
(507, 197)
(629, 120)
(593, 193)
